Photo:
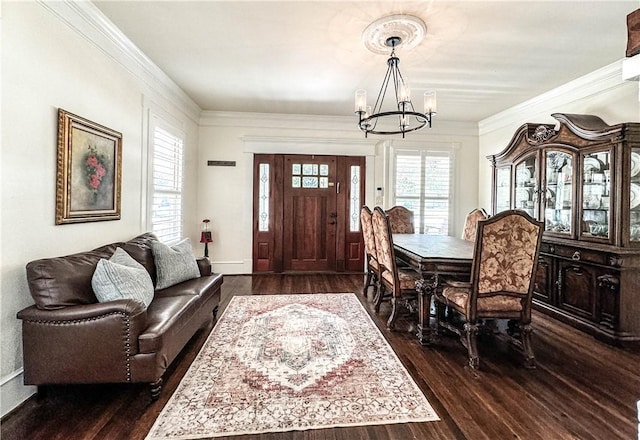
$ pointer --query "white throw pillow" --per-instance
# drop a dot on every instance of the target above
(122, 277)
(174, 264)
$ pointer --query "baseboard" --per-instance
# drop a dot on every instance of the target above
(13, 393)
(232, 267)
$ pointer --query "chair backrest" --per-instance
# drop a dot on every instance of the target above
(471, 223)
(367, 232)
(384, 246)
(401, 220)
(506, 257)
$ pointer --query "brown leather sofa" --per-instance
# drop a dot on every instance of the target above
(71, 338)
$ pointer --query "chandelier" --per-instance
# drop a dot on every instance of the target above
(400, 117)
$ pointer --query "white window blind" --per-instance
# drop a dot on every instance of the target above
(167, 179)
(423, 185)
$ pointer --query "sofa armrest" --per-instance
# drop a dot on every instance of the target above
(90, 343)
(204, 265)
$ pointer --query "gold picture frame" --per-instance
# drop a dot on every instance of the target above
(89, 170)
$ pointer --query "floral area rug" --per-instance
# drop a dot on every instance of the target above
(278, 363)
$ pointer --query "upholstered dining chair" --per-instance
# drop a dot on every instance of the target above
(373, 268)
(471, 223)
(501, 285)
(401, 220)
(397, 283)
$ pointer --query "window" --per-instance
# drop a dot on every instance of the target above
(263, 198)
(167, 160)
(423, 185)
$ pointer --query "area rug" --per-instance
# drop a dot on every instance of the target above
(279, 363)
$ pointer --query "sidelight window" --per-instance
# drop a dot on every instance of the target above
(263, 198)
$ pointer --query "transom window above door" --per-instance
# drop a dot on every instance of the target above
(309, 175)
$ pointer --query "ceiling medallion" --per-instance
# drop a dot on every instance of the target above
(400, 117)
(411, 30)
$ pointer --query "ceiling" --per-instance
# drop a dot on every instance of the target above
(307, 57)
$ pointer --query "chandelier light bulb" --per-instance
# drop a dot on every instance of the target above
(361, 101)
(405, 93)
(430, 103)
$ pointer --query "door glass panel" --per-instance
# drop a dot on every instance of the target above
(525, 188)
(309, 182)
(263, 197)
(503, 189)
(354, 200)
(307, 175)
(595, 194)
(634, 195)
(558, 192)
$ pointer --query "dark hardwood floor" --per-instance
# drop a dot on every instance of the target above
(581, 388)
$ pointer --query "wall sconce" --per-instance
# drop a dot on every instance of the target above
(205, 236)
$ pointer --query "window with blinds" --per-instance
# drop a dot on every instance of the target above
(423, 185)
(167, 176)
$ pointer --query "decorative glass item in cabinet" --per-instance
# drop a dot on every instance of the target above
(503, 189)
(634, 196)
(525, 186)
(596, 182)
(558, 192)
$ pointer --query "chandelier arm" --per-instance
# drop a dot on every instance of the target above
(377, 108)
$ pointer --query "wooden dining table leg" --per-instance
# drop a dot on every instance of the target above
(425, 291)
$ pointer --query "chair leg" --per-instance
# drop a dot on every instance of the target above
(471, 342)
(367, 283)
(394, 313)
(378, 298)
(441, 314)
(525, 334)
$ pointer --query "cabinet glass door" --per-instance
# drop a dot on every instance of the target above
(525, 186)
(558, 192)
(503, 189)
(634, 196)
(596, 189)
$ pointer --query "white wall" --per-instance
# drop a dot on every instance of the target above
(603, 93)
(225, 194)
(52, 57)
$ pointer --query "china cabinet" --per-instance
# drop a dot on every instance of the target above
(582, 178)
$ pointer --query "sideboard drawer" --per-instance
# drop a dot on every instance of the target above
(579, 254)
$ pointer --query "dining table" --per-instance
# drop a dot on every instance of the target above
(433, 257)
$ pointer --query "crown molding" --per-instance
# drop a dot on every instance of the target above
(596, 82)
(276, 120)
(92, 25)
(303, 145)
(325, 123)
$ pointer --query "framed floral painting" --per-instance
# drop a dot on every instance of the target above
(89, 171)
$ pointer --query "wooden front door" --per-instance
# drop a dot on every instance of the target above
(306, 213)
(310, 215)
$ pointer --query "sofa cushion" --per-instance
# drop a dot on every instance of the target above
(122, 277)
(174, 264)
(165, 316)
(65, 281)
(140, 249)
